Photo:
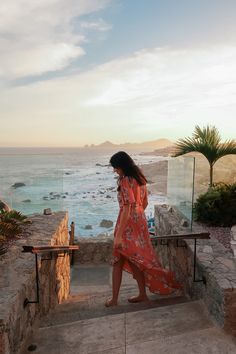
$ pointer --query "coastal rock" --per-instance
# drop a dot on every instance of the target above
(55, 195)
(106, 223)
(100, 165)
(88, 227)
(18, 185)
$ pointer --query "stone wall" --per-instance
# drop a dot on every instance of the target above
(17, 280)
(214, 263)
(94, 249)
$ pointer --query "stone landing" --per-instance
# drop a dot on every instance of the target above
(166, 325)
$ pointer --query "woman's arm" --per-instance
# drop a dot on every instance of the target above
(145, 199)
(124, 217)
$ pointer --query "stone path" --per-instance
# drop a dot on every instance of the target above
(167, 325)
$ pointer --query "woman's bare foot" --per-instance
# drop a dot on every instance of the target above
(110, 303)
(139, 298)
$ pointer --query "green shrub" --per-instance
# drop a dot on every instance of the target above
(11, 223)
(217, 206)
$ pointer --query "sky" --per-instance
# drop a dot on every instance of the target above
(76, 72)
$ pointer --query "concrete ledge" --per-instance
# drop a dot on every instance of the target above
(216, 264)
(17, 271)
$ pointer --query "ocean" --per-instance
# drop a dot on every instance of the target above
(73, 179)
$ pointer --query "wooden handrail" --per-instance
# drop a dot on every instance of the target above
(191, 236)
(199, 235)
(46, 249)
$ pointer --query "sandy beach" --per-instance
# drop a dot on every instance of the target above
(156, 174)
(224, 171)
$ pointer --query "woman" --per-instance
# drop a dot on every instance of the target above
(133, 250)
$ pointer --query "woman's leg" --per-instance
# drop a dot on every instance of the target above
(139, 277)
(116, 281)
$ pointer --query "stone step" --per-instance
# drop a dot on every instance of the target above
(85, 306)
(91, 286)
(178, 329)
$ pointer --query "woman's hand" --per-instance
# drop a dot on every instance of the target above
(118, 242)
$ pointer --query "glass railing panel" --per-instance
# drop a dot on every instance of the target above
(180, 185)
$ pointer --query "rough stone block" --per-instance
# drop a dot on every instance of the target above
(18, 270)
(214, 262)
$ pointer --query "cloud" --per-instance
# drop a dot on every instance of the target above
(99, 25)
(40, 59)
(38, 36)
(169, 77)
(153, 93)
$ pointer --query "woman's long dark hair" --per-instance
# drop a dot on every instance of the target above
(122, 160)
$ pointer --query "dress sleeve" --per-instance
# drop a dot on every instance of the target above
(127, 193)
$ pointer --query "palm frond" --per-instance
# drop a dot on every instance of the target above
(227, 148)
(184, 146)
(11, 223)
(9, 229)
(206, 141)
(13, 214)
(208, 135)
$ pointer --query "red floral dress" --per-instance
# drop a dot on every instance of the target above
(136, 244)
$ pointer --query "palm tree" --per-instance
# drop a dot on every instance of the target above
(207, 141)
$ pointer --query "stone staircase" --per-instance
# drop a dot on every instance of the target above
(82, 325)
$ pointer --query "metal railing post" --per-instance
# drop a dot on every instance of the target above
(72, 240)
(27, 301)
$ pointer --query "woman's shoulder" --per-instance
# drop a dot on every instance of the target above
(127, 181)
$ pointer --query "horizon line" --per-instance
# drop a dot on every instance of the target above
(86, 145)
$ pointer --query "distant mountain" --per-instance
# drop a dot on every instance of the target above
(141, 147)
(106, 144)
(153, 144)
(166, 151)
